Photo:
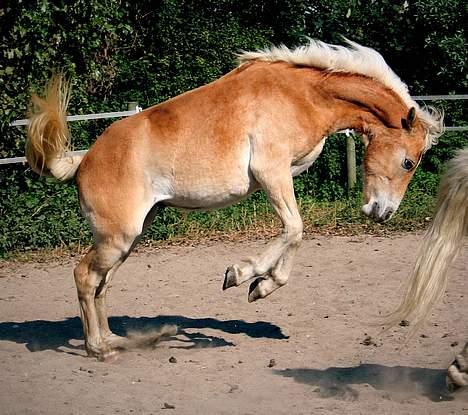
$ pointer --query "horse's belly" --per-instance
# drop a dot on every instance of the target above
(209, 192)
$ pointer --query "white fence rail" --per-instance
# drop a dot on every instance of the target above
(84, 117)
(134, 108)
(439, 97)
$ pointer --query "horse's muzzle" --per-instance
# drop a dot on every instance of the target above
(377, 211)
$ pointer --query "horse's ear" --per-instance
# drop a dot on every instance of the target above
(408, 122)
(366, 135)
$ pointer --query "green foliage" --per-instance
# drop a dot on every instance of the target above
(326, 180)
(423, 41)
(119, 50)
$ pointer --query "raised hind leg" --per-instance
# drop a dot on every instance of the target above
(272, 268)
(457, 375)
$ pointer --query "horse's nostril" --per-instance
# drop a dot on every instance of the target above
(388, 214)
(375, 210)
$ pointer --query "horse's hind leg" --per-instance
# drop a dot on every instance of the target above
(100, 302)
(90, 274)
(101, 291)
(100, 299)
(457, 375)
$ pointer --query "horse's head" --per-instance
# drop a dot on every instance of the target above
(391, 157)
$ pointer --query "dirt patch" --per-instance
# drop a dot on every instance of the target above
(314, 330)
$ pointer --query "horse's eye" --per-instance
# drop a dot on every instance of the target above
(408, 164)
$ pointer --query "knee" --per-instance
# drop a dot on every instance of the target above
(293, 232)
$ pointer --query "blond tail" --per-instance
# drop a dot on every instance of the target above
(48, 135)
(441, 245)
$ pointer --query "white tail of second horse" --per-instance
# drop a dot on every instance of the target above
(441, 245)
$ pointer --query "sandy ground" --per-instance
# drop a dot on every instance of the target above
(300, 351)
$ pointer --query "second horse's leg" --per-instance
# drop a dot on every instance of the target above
(457, 375)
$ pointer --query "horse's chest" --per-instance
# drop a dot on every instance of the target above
(305, 162)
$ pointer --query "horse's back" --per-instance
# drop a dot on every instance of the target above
(185, 152)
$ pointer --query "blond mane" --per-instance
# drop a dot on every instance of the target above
(356, 59)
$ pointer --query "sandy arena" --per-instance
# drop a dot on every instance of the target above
(303, 350)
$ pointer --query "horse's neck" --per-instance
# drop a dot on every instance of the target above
(357, 101)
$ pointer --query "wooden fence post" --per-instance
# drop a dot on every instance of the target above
(351, 160)
(132, 106)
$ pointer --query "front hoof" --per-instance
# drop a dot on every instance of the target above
(254, 290)
(230, 277)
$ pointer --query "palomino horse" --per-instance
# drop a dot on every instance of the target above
(442, 243)
(254, 128)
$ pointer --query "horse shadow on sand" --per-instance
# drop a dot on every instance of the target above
(38, 335)
(398, 382)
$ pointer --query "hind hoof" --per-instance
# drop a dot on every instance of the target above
(113, 340)
(103, 353)
(108, 356)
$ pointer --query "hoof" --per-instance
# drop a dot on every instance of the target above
(104, 352)
(456, 379)
(230, 277)
(451, 387)
(113, 340)
(108, 356)
(254, 290)
(92, 351)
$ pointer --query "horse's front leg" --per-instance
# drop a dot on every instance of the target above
(254, 267)
(279, 275)
(272, 268)
(457, 375)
